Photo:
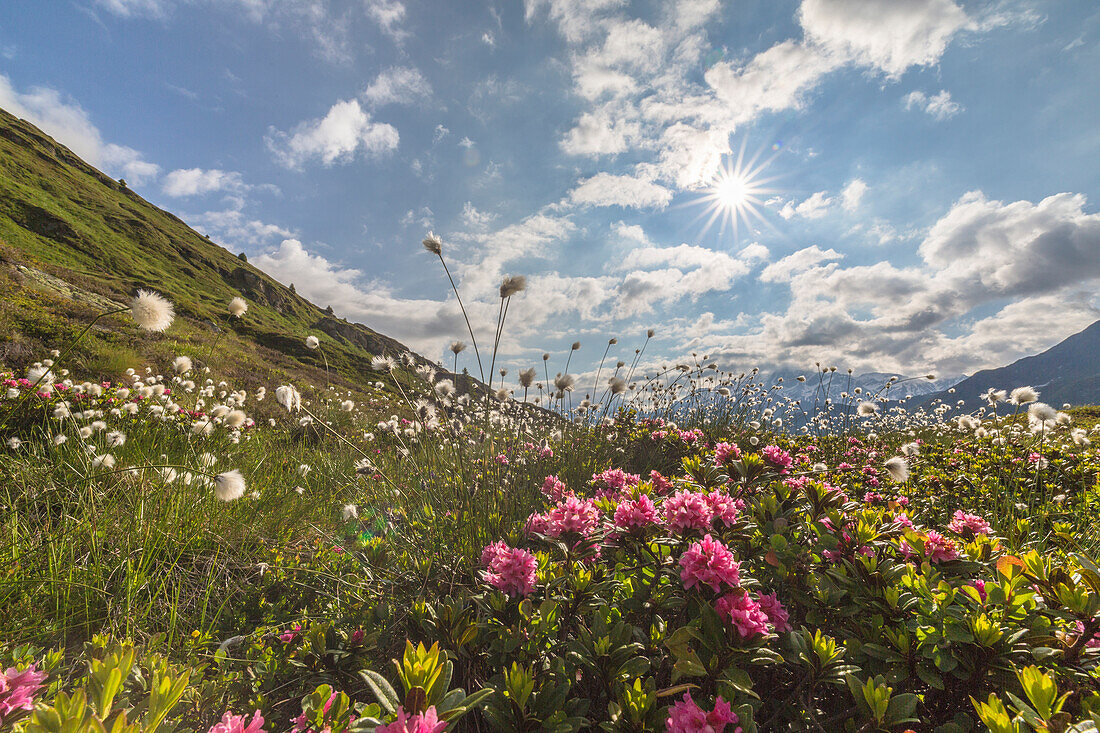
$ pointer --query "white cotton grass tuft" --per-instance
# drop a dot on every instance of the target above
(457, 347)
(349, 512)
(866, 409)
(511, 285)
(910, 449)
(229, 486)
(237, 307)
(526, 377)
(433, 244)
(235, 418)
(312, 342)
(617, 385)
(898, 469)
(104, 461)
(288, 397)
(151, 311)
(182, 364)
(444, 388)
(564, 382)
(1023, 395)
(347, 405)
(1041, 412)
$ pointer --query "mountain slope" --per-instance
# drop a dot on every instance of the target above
(1067, 372)
(73, 240)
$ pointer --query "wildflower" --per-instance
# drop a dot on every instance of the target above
(686, 510)
(457, 347)
(511, 285)
(115, 438)
(151, 311)
(897, 468)
(685, 716)
(910, 450)
(777, 457)
(426, 722)
(743, 613)
(231, 723)
(866, 409)
(725, 452)
(433, 244)
(635, 514)
(1041, 412)
(104, 461)
(347, 405)
(968, 524)
(572, 516)
(237, 308)
(383, 364)
(17, 691)
(289, 398)
(564, 382)
(1023, 395)
(349, 512)
(617, 385)
(773, 609)
(511, 570)
(709, 562)
(312, 342)
(723, 508)
(554, 488)
(181, 364)
(229, 485)
(235, 418)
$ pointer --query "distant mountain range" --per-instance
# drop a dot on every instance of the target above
(1066, 373)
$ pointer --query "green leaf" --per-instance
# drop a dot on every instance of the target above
(383, 691)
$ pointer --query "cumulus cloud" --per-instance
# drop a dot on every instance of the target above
(198, 182)
(422, 324)
(68, 123)
(814, 207)
(786, 268)
(940, 106)
(388, 14)
(397, 85)
(605, 189)
(237, 230)
(884, 34)
(754, 253)
(346, 132)
(852, 194)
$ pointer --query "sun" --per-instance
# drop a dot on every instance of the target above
(737, 193)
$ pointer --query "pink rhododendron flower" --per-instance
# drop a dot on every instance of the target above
(711, 563)
(968, 525)
(554, 488)
(937, 548)
(687, 510)
(511, 570)
(231, 723)
(773, 609)
(635, 514)
(572, 516)
(660, 484)
(613, 481)
(777, 457)
(743, 613)
(428, 722)
(491, 550)
(536, 524)
(723, 507)
(1093, 643)
(290, 634)
(979, 585)
(725, 452)
(17, 691)
(685, 716)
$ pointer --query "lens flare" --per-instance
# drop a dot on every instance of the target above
(737, 193)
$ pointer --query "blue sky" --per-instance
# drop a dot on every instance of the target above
(922, 175)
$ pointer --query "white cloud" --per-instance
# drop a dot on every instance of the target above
(814, 207)
(604, 189)
(601, 132)
(755, 253)
(68, 123)
(198, 182)
(397, 85)
(388, 14)
(344, 133)
(136, 8)
(940, 106)
(422, 324)
(852, 194)
(236, 230)
(887, 35)
(474, 219)
(804, 259)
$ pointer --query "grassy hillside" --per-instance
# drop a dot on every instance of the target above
(72, 241)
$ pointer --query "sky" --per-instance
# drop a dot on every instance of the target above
(886, 185)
